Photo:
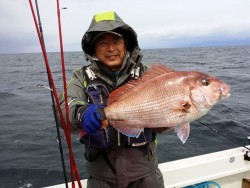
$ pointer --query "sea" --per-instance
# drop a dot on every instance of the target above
(29, 152)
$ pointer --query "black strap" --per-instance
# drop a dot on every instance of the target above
(105, 157)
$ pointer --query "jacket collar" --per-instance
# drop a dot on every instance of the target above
(108, 76)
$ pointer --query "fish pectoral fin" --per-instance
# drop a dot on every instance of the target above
(186, 107)
(183, 106)
(182, 131)
(126, 130)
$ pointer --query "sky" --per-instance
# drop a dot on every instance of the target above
(158, 23)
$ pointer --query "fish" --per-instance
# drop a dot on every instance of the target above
(164, 98)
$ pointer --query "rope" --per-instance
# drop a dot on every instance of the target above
(205, 184)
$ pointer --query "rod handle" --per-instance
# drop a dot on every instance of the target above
(104, 124)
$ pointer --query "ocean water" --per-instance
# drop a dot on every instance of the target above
(29, 154)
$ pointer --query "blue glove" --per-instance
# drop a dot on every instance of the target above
(91, 117)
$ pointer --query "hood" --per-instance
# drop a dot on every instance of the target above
(109, 21)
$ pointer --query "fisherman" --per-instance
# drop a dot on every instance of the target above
(112, 159)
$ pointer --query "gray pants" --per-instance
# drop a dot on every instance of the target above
(135, 168)
(154, 180)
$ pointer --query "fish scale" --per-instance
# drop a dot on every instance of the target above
(143, 107)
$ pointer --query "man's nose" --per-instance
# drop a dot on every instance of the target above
(111, 45)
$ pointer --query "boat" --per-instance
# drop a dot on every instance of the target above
(223, 169)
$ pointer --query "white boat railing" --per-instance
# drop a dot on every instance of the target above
(224, 169)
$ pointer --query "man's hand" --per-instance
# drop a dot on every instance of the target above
(91, 117)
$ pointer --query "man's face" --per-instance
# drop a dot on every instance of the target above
(110, 50)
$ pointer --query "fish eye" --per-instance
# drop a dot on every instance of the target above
(205, 81)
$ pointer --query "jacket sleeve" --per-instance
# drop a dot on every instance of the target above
(76, 99)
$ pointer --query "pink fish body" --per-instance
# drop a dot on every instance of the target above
(163, 98)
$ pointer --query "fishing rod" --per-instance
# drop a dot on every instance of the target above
(215, 130)
(53, 101)
(73, 166)
(66, 128)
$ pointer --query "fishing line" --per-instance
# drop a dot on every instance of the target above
(215, 130)
(59, 137)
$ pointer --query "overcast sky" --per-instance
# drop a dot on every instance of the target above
(158, 23)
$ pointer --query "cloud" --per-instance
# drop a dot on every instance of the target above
(158, 23)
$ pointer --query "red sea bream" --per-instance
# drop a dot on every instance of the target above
(164, 98)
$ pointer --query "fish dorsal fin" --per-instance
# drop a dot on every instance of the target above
(156, 70)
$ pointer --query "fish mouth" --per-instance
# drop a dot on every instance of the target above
(225, 91)
(225, 96)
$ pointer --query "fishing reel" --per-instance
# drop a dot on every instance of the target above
(247, 154)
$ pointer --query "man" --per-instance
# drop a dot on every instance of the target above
(113, 159)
